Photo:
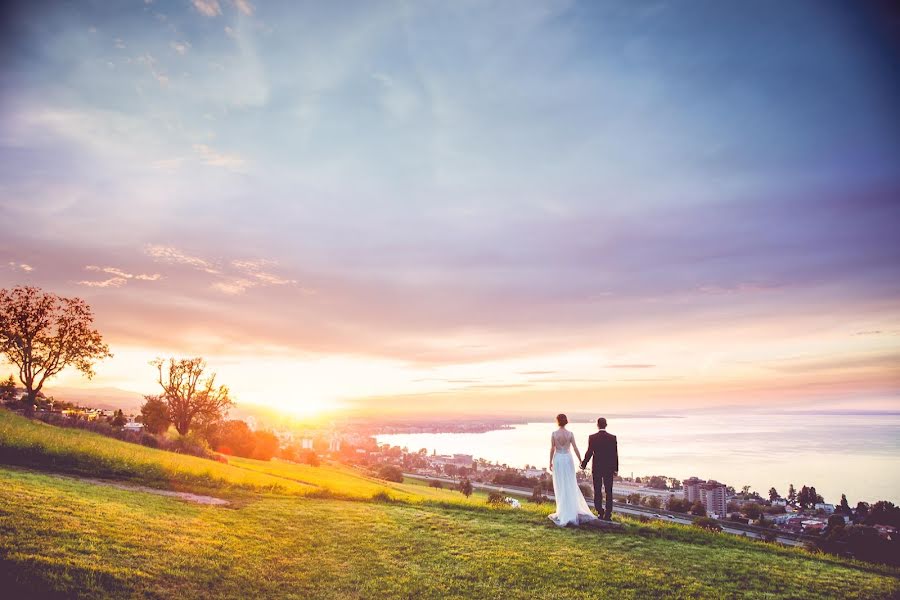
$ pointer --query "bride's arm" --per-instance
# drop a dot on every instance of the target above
(552, 451)
(575, 448)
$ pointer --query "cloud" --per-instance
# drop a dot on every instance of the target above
(111, 282)
(180, 47)
(211, 157)
(630, 366)
(153, 65)
(244, 6)
(118, 279)
(168, 254)
(253, 274)
(208, 8)
(20, 266)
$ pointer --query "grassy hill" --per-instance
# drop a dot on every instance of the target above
(329, 532)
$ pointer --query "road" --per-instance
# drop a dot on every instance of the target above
(620, 507)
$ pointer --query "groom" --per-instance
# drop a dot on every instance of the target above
(603, 448)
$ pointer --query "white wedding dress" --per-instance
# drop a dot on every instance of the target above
(571, 507)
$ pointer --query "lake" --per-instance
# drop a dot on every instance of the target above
(858, 455)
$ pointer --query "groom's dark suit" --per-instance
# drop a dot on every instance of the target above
(603, 448)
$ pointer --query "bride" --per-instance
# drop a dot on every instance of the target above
(571, 507)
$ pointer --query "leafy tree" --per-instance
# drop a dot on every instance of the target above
(773, 494)
(845, 506)
(236, 438)
(633, 498)
(792, 495)
(752, 510)
(265, 445)
(698, 509)
(658, 483)
(42, 334)
(653, 502)
(537, 495)
(118, 419)
(884, 513)
(435, 484)
(465, 487)
(745, 490)
(8, 393)
(679, 505)
(835, 520)
(390, 473)
(155, 415)
(188, 396)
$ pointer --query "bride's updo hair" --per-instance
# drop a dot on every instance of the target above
(561, 419)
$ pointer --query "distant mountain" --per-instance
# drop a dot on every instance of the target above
(108, 398)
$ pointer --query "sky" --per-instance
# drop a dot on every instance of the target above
(466, 207)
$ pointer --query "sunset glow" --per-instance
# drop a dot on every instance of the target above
(359, 212)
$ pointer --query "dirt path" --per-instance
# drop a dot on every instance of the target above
(187, 496)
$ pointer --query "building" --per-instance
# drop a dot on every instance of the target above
(132, 426)
(712, 496)
(828, 508)
(692, 489)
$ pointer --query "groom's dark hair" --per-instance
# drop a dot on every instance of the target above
(601, 423)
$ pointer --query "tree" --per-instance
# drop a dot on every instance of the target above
(8, 393)
(884, 512)
(42, 334)
(751, 510)
(265, 445)
(679, 505)
(745, 490)
(390, 473)
(236, 438)
(465, 487)
(792, 495)
(845, 506)
(653, 502)
(537, 495)
(773, 494)
(698, 509)
(118, 419)
(155, 415)
(187, 395)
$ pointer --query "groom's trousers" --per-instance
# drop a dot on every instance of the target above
(603, 481)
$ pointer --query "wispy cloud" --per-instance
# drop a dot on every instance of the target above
(180, 47)
(254, 273)
(244, 6)
(158, 74)
(171, 255)
(25, 268)
(208, 8)
(213, 158)
(630, 366)
(118, 279)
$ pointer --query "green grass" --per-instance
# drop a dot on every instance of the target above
(73, 538)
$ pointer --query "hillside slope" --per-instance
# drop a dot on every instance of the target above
(74, 538)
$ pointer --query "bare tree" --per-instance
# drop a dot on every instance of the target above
(42, 334)
(188, 395)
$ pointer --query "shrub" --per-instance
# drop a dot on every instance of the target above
(382, 496)
(708, 524)
(435, 484)
(586, 489)
(496, 499)
(390, 473)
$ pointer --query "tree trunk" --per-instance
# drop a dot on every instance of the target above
(30, 399)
